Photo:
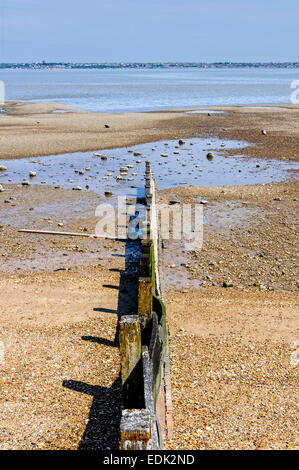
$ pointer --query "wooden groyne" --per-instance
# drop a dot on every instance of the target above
(144, 343)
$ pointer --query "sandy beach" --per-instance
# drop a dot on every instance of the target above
(233, 364)
(35, 129)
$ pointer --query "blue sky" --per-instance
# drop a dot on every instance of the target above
(149, 30)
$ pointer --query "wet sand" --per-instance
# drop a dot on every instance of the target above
(34, 129)
(59, 296)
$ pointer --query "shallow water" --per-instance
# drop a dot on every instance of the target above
(172, 164)
(204, 111)
(127, 90)
(267, 107)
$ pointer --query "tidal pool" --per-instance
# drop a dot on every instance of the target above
(204, 111)
(173, 165)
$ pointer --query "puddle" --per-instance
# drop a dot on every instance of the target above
(265, 107)
(55, 261)
(59, 111)
(205, 111)
(175, 271)
(172, 164)
(227, 214)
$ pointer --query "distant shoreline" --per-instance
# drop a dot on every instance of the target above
(149, 65)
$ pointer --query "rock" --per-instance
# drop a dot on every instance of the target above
(203, 201)
(60, 224)
(277, 199)
(107, 126)
(264, 132)
(164, 155)
(3, 168)
(210, 156)
(108, 193)
(181, 142)
(32, 174)
(137, 154)
(103, 157)
(1, 188)
(25, 183)
(77, 188)
(227, 284)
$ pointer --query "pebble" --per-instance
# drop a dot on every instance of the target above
(3, 168)
(32, 173)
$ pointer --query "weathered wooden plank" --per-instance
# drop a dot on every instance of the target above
(69, 234)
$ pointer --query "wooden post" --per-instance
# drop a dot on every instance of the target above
(145, 265)
(130, 360)
(145, 299)
(136, 430)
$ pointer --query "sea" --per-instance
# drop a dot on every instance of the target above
(137, 90)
